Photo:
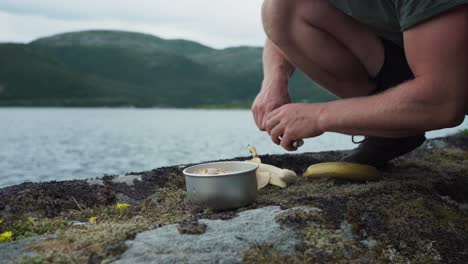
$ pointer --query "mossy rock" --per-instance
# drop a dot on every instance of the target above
(416, 213)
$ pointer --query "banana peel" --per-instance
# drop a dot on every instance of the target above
(343, 170)
(279, 177)
(269, 174)
(263, 178)
(253, 151)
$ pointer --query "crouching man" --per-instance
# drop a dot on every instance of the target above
(399, 67)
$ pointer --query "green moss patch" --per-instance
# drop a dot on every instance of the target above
(321, 241)
(27, 227)
(413, 214)
(168, 206)
(191, 228)
(264, 254)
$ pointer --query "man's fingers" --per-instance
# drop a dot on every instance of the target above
(276, 133)
(261, 121)
(264, 120)
(271, 120)
(259, 116)
(273, 113)
(287, 142)
(255, 116)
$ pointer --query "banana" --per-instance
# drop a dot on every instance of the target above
(263, 178)
(252, 150)
(269, 174)
(343, 170)
(297, 144)
(279, 177)
(255, 158)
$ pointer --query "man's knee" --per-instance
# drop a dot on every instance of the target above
(279, 16)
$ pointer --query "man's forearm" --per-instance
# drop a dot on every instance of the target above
(401, 111)
(275, 66)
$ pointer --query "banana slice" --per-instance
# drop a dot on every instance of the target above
(343, 170)
(299, 143)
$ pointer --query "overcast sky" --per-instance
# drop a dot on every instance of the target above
(217, 23)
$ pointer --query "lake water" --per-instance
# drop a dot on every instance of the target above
(42, 144)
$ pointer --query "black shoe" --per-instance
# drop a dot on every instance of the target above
(377, 151)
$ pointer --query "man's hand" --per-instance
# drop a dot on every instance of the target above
(273, 94)
(435, 99)
(292, 122)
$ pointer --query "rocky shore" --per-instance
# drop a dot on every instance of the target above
(417, 213)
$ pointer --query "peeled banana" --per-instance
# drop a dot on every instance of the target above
(343, 170)
(269, 174)
(263, 178)
(279, 177)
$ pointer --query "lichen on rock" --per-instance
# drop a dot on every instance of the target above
(417, 212)
(191, 228)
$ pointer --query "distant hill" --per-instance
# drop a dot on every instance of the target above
(114, 68)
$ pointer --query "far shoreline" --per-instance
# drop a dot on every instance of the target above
(127, 107)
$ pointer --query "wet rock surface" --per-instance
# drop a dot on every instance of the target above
(417, 212)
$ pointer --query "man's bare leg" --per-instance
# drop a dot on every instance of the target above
(339, 54)
(331, 48)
